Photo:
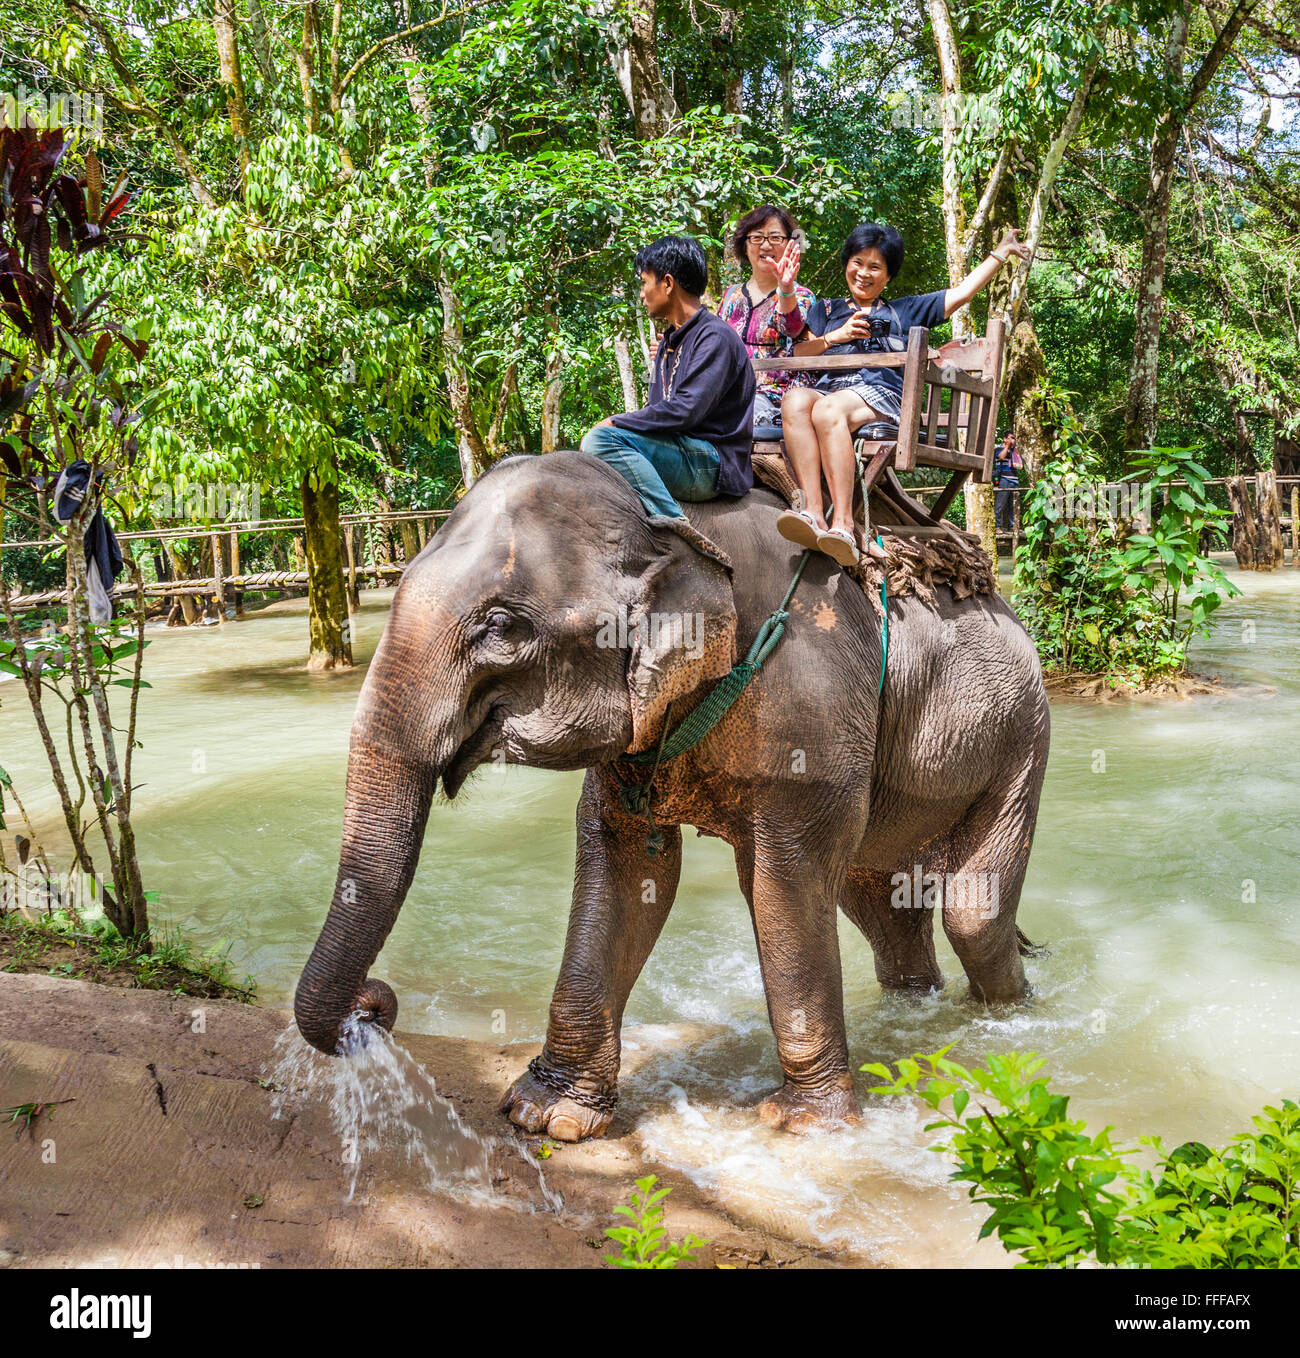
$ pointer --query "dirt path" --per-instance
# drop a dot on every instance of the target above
(169, 1154)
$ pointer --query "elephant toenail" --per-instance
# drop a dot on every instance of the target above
(565, 1128)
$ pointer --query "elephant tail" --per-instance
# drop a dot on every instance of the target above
(1028, 949)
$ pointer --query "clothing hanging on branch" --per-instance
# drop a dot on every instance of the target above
(103, 556)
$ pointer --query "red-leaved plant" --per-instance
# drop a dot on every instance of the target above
(60, 402)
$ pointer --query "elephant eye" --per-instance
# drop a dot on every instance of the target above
(500, 625)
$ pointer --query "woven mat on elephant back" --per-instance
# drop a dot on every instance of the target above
(912, 565)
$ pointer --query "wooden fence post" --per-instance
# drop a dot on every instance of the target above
(236, 570)
(186, 601)
(1295, 525)
(354, 601)
(218, 582)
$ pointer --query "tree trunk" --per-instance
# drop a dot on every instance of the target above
(1245, 532)
(734, 89)
(980, 517)
(552, 396)
(179, 572)
(260, 45)
(223, 27)
(327, 610)
(1025, 386)
(410, 540)
(306, 60)
(653, 104)
(954, 211)
(469, 443)
(353, 593)
(1141, 411)
(626, 372)
(1269, 508)
(236, 569)
(218, 579)
(1051, 169)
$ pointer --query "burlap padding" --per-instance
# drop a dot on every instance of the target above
(912, 565)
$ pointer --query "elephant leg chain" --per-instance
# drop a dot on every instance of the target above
(561, 1084)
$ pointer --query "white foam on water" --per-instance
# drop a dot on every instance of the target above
(862, 1189)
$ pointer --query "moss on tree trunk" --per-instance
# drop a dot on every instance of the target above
(327, 609)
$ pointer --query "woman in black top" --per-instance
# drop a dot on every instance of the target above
(819, 421)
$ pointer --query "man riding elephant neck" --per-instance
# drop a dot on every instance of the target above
(692, 439)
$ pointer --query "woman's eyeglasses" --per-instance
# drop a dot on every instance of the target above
(769, 240)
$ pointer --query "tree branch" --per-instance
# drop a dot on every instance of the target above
(1078, 161)
(1051, 167)
(1237, 16)
(142, 106)
(375, 48)
(985, 206)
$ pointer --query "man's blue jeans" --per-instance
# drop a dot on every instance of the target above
(658, 469)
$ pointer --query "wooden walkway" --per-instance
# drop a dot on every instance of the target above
(225, 547)
(225, 539)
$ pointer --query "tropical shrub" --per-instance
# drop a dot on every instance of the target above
(1060, 1196)
(1113, 579)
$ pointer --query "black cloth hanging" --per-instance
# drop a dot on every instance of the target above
(102, 551)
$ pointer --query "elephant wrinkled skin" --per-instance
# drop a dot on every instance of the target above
(500, 640)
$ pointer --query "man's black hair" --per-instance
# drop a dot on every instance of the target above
(678, 257)
(873, 236)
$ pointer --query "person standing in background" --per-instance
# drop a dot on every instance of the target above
(1007, 463)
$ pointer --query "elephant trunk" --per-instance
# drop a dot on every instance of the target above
(383, 825)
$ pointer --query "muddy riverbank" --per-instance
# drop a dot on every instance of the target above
(168, 1154)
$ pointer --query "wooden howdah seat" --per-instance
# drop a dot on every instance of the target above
(948, 420)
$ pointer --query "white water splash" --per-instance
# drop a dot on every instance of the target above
(381, 1098)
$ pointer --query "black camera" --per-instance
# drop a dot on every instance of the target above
(877, 330)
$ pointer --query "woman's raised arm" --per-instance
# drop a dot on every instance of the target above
(979, 278)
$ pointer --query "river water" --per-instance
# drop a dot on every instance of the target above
(1163, 879)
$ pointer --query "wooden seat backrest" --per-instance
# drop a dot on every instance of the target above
(971, 371)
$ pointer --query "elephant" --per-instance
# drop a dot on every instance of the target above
(499, 644)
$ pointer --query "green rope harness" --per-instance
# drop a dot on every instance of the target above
(635, 797)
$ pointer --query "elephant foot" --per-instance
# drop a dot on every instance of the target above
(792, 1109)
(539, 1108)
(925, 984)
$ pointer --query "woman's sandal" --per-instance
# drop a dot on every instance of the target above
(798, 526)
(839, 546)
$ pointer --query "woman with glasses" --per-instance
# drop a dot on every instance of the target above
(769, 309)
(820, 421)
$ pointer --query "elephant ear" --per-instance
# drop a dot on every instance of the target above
(682, 629)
